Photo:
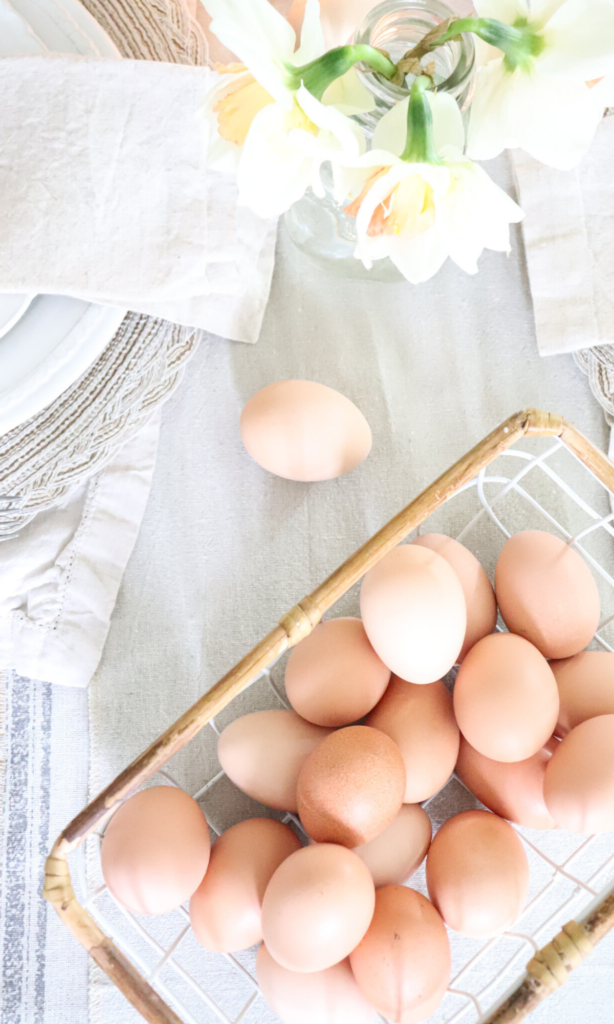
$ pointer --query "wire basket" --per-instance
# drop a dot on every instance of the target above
(556, 481)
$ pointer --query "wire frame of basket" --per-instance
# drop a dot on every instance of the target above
(479, 976)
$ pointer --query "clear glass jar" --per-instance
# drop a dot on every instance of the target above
(319, 227)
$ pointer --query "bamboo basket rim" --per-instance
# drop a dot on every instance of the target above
(549, 968)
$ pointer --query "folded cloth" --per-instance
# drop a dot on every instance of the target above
(105, 195)
(569, 239)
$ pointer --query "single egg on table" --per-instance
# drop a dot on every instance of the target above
(398, 851)
(402, 965)
(586, 688)
(263, 753)
(547, 593)
(226, 909)
(477, 874)
(351, 786)
(322, 997)
(155, 850)
(304, 431)
(506, 699)
(579, 782)
(334, 677)
(420, 720)
(317, 907)
(477, 588)
(512, 789)
(414, 612)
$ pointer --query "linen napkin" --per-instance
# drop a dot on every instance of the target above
(569, 238)
(105, 195)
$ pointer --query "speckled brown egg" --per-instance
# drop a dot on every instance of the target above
(579, 783)
(477, 588)
(546, 593)
(586, 688)
(477, 874)
(421, 722)
(351, 786)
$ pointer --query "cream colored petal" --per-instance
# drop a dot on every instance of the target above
(580, 41)
(273, 173)
(349, 95)
(312, 37)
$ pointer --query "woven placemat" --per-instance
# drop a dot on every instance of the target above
(46, 457)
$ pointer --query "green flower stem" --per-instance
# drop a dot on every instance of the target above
(320, 73)
(420, 146)
(519, 42)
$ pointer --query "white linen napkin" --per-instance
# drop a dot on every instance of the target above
(569, 237)
(105, 195)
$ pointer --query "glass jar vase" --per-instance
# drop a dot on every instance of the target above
(319, 227)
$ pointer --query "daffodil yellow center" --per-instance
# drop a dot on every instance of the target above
(238, 108)
(297, 118)
(408, 211)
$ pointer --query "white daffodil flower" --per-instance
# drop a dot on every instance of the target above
(420, 200)
(268, 126)
(533, 89)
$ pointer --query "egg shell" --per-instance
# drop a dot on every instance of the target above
(226, 909)
(477, 874)
(513, 790)
(403, 962)
(334, 677)
(546, 593)
(351, 786)
(398, 851)
(421, 722)
(506, 699)
(317, 907)
(322, 997)
(579, 783)
(304, 431)
(263, 753)
(413, 609)
(477, 588)
(155, 850)
(586, 688)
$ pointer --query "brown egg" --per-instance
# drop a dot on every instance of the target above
(263, 753)
(579, 783)
(413, 609)
(322, 997)
(398, 851)
(506, 700)
(546, 593)
(403, 962)
(586, 688)
(317, 907)
(477, 588)
(304, 431)
(351, 786)
(226, 909)
(334, 677)
(421, 722)
(477, 874)
(155, 850)
(514, 790)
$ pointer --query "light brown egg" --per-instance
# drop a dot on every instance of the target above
(477, 874)
(322, 997)
(586, 688)
(506, 700)
(579, 783)
(226, 909)
(398, 851)
(155, 850)
(477, 588)
(403, 962)
(421, 722)
(351, 786)
(263, 753)
(334, 677)
(304, 431)
(546, 593)
(413, 609)
(513, 790)
(317, 907)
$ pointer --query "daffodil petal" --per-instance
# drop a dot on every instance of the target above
(255, 22)
(273, 173)
(542, 10)
(490, 128)
(448, 128)
(580, 41)
(349, 95)
(503, 10)
(553, 120)
(331, 120)
(312, 37)
(419, 258)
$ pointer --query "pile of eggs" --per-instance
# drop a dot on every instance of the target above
(529, 730)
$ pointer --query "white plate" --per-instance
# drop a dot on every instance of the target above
(48, 341)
